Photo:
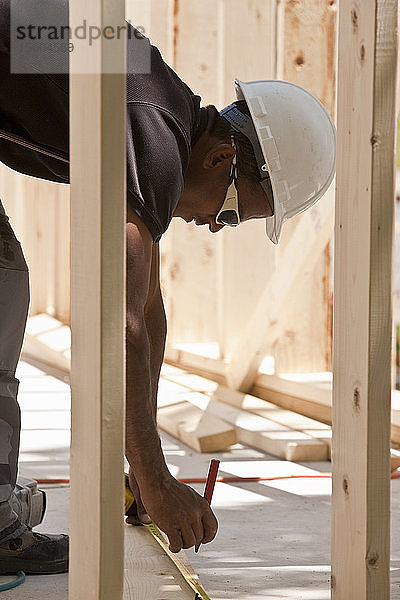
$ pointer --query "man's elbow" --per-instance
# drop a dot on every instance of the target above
(135, 330)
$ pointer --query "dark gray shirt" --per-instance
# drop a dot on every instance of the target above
(164, 120)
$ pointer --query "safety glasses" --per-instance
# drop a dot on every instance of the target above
(229, 212)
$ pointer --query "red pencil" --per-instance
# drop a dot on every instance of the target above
(210, 484)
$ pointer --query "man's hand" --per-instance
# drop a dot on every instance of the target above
(179, 511)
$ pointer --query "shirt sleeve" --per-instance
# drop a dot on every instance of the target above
(156, 149)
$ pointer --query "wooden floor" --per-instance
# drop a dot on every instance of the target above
(149, 573)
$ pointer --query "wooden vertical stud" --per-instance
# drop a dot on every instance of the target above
(307, 56)
(98, 236)
(363, 254)
(189, 252)
(245, 257)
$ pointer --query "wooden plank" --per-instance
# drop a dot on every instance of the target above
(149, 573)
(248, 403)
(307, 399)
(312, 400)
(308, 407)
(268, 410)
(259, 432)
(203, 365)
(319, 392)
(363, 253)
(198, 430)
(98, 205)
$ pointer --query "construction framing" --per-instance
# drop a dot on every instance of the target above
(98, 205)
(367, 69)
(251, 315)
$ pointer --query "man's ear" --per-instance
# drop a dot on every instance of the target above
(218, 156)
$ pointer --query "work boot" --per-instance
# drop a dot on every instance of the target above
(34, 553)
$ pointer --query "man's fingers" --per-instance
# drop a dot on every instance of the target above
(210, 525)
(188, 537)
(198, 531)
(141, 511)
(175, 541)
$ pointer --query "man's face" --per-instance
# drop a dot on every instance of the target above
(253, 204)
(206, 184)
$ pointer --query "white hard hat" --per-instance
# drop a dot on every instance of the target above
(297, 138)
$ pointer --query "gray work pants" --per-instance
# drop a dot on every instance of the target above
(14, 305)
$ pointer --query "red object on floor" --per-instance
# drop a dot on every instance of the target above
(233, 479)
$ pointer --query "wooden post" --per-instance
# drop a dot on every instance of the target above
(244, 256)
(363, 254)
(307, 56)
(189, 252)
(212, 43)
(98, 236)
(289, 316)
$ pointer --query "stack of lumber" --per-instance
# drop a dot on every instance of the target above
(198, 429)
(210, 417)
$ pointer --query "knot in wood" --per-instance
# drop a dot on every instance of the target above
(333, 582)
(346, 486)
(356, 399)
(354, 20)
(375, 140)
(299, 60)
(362, 52)
(372, 559)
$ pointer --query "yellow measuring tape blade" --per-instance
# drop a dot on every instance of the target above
(190, 578)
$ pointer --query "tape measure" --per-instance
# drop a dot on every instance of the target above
(191, 578)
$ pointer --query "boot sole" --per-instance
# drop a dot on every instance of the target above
(11, 566)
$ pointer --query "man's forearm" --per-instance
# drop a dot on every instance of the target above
(143, 448)
(156, 326)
